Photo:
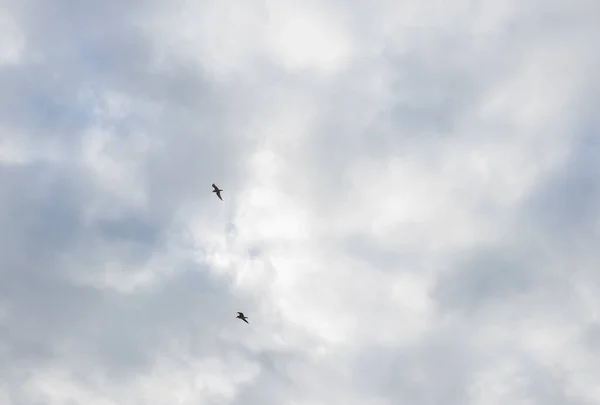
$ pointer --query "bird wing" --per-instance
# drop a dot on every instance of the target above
(241, 313)
(215, 187)
(244, 319)
(219, 195)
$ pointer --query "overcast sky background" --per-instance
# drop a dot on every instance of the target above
(411, 204)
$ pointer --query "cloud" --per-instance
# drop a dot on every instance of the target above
(409, 209)
(12, 41)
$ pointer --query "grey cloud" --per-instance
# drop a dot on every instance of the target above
(52, 318)
(41, 210)
(49, 317)
(408, 373)
(487, 275)
(556, 222)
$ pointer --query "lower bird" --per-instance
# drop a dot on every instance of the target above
(217, 191)
(242, 317)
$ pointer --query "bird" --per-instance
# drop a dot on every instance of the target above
(217, 191)
(242, 317)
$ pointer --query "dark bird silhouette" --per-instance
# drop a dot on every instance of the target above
(217, 191)
(242, 317)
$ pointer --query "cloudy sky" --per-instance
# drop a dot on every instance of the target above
(411, 207)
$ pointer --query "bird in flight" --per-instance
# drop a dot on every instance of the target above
(242, 317)
(217, 191)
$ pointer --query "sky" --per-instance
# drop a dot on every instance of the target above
(411, 207)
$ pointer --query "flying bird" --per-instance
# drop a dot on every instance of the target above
(242, 317)
(217, 191)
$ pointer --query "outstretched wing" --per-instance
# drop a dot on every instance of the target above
(244, 319)
(219, 195)
(241, 313)
(215, 187)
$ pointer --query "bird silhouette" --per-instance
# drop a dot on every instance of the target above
(242, 317)
(217, 191)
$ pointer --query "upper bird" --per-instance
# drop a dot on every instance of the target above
(217, 191)
(242, 317)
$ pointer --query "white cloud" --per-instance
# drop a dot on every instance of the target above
(12, 41)
(307, 37)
